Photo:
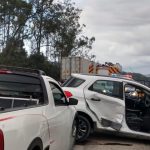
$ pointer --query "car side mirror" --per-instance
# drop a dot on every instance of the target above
(72, 101)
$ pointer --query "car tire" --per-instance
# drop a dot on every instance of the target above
(83, 129)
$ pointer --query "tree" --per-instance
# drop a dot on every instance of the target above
(14, 54)
(67, 40)
(39, 19)
(39, 61)
(56, 29)
(14, 15)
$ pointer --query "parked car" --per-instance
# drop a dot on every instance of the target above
(110, 104)
(34, 112)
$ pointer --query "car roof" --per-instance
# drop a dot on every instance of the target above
(20, 71)
(89, 78)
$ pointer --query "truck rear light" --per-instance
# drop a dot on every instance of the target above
(1, 140)
(5, 72)
(68, 94)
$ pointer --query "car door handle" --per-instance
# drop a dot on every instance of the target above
(96, 99)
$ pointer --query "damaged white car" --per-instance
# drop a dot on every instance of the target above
(112, 104)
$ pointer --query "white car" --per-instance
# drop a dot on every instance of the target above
(34, 112)
(110, 104)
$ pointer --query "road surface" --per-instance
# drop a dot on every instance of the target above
(99, 141)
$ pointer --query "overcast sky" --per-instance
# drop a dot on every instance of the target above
(122, 31)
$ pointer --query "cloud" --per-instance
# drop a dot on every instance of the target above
(122, 31)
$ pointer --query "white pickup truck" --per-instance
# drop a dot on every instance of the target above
(34, 112)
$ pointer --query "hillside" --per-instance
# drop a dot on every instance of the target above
(138, 76)
(148, 75)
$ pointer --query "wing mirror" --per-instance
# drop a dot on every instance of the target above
(72, 101)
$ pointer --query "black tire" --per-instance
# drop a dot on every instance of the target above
(83, 129)
(36, 145)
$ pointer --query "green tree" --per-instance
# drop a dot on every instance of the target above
(14, 15)
(38, 20)
(56, 29)
(39, 61)
(14, 54)
(68, 40)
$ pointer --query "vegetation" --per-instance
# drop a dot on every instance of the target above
(38, 33)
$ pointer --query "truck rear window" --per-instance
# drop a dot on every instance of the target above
(73, 82)
(19, 90)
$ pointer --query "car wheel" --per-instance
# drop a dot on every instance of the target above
(73, 134)
(83, 129)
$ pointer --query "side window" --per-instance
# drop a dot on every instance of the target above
(73, 82)
(136, 93)
(110, 88)
(58, 95)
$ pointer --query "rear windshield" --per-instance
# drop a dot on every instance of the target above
(73, 82)
(19, 88)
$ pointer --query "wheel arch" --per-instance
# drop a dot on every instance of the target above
(92, 123)
(36, 144)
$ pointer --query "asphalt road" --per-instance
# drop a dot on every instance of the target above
(99, 141)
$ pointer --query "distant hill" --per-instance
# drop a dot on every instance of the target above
(148, 75)
(138, 76)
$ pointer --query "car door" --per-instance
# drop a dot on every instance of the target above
(60, 118)
(137, 99)
(105, 99)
